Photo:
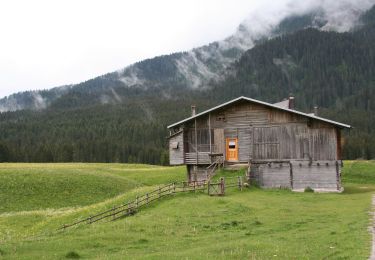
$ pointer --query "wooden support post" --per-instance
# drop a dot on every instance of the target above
(239, 183)
(136, 202)
(208, 187)
(159, 192)
(209, 134)
(113, 212)
(291, 175)
(248, 174)
(147, 198)
(222, 186)
(194, 186)
(338, 179)
(174, 187)
(196, 140)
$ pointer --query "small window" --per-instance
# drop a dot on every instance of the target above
(174, 145)
(232, 145)
(220, 118)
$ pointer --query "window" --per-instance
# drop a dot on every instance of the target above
(232, 145)
(174, 145)
(220, 118)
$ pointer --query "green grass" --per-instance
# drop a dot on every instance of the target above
(359, 172)
(27, 187)
(254, 223)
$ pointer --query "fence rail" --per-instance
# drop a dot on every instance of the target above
(131, 207)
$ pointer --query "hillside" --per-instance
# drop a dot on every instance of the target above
(254, 223)
(94, 122)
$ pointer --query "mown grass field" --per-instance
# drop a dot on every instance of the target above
(36, 199)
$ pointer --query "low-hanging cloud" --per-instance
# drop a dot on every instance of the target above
(340, 15)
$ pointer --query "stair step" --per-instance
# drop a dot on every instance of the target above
(236, 166)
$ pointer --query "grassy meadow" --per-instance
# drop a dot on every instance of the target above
(36, 199)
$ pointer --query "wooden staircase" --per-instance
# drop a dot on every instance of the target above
(211, 169)
(236, 166)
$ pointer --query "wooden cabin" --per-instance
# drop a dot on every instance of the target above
(282, 147)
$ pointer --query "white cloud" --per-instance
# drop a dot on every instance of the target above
(46, 43)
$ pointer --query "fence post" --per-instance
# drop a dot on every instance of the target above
(147, 198)
(90, 219)
(174, 187)
(159, 192)
(222, 186)
(194, 186)
(208, 187)
(113, 212)
(239, 183)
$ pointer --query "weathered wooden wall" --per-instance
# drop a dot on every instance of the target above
(273, 175)
(298, 175)
(200, 158)
(176, 155)
(197, 173)
(316, 175)
(263, 133)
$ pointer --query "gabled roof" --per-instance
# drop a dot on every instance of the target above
(265, 104)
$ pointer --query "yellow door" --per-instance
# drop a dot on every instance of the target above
(231, 149)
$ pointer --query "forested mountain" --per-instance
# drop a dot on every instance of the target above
(102, 121)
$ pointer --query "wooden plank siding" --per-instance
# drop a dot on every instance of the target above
(263, 133)
(285, 149)
(274, 175)
(202, 157)
(298, 175)
(176, 155)
(317, 175)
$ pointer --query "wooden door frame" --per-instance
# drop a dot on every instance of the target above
(227, 140)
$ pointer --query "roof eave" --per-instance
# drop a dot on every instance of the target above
(261, 103)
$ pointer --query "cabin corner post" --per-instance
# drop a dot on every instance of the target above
(196, 140)
(209, 134)
(338, 144)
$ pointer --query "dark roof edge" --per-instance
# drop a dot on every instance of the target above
(261, 103)
(172, 135)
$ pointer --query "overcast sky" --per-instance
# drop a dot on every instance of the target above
(47, 43)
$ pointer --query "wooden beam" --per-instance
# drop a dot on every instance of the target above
(338, 144)
(209, 133)
(196, 139)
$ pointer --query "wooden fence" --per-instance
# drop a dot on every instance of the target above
(132, 207)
